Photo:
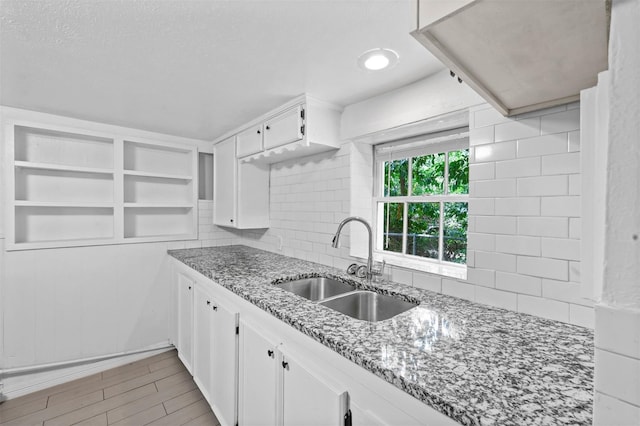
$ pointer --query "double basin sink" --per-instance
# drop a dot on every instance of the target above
(344, 298)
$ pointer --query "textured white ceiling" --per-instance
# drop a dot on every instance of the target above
(198, 68)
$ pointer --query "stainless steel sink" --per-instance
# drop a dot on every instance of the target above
(368, 306)
(317, 288)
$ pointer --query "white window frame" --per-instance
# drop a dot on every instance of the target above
(441, 142)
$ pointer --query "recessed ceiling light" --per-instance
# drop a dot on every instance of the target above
(378, 59)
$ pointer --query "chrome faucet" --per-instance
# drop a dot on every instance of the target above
(336, 239)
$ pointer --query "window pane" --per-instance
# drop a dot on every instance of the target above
(392, 226)
(459, 172)
(396, 177)
(428, 174)
(422, 229)
(455, 233)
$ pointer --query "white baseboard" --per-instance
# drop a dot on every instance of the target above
(17, 385)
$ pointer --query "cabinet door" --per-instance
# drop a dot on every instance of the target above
(185, 319)
(224, 183)
(363, 417)
(258, 379)
(308, 400)
(202, 340)
(224, 364)
(249, 141)
(283, 128)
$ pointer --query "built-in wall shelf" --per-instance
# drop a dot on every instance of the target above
(74, 187)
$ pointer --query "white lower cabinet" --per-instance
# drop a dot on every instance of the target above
(184, 316)
(258, 384)
(271, 374)
(207, 344)
(277, 388)
(308, 397)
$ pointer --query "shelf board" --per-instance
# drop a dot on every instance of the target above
(40, 244)
(61, 167)
(25, 203)
(157, 175)
(164, 237)
(159, 205)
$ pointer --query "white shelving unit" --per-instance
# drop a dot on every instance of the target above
(70, 187)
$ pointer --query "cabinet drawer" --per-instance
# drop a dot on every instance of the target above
(283, 128)
(249, 141)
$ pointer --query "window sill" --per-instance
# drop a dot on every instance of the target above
(432, 267)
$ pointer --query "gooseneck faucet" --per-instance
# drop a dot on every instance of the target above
(336, 239)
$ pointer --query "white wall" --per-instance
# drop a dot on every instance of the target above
(524, 224)
(429, 97)
(617, 374)
(66, 304)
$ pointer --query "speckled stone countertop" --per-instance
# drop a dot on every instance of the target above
(476, 364)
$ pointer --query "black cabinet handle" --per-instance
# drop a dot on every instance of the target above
(285, 365)
(268, 128)
(189, 287)
(215, 308)
(270, 353)
(208, 302)
(231, 220)
(258, 132)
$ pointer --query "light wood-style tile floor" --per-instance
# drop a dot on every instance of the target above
(154, 391)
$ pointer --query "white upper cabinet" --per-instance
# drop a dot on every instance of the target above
(249, 141)
(284, 128)
(519, 55)
(240, 191)
(301, 127)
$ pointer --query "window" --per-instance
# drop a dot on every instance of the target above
(421, 197)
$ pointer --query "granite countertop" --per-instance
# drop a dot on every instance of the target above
(476, 364)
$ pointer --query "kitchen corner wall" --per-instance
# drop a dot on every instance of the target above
(524, 214)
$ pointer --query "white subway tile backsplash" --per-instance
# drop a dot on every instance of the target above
(519, 283)
(566, 121)
(561, 163)
(427, 282)
(520, 129)
(575, 184)
(495, 225)
(401, 275)
(574, 271)
(612, 411)
(565, 292)
(523, 206)
(582, 316)
(551, 309)
(561, 248)
(618, 330)
(481, 171)
(496, 261)
(544, 226)
(544, 268)
(494, 188)
(542, 145)
(575, 227)
(521, 167)
(481, 242)
(543, 186)
(495, 152)
(517, 244)
(481, 135)
(574, 141)
(493, 297)
(458, 289)
(482, 277)
(618, 376)
(481, 206)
